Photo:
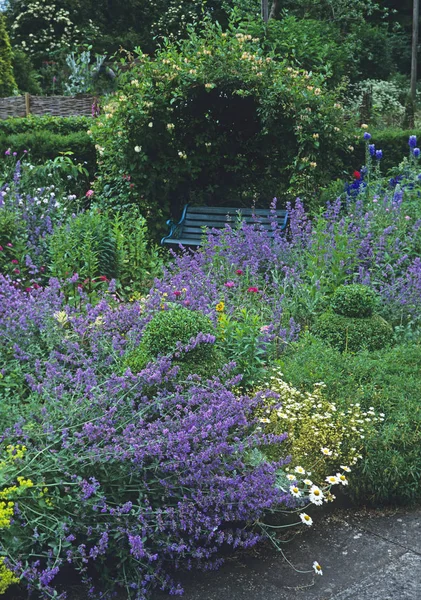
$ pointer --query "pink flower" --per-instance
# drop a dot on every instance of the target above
(28, 289)
(177, 293)
(14, 261)
(7, 153)
(407, 218)
(9, 245)
(253, 289)
(229, 284)
(264, 329)
(16, 271)
(102, 278)
(239, 272)
(1, 248)
(89, 193)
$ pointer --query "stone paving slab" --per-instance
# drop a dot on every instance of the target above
(365, 555)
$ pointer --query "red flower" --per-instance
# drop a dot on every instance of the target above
(16, 271)
(253, 289)
(239, 272)
(357, 174)
(15, 262)
(102, 278)
(177, 293)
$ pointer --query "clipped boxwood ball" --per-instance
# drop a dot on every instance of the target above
(354, 301)
(168, 327)
(353, 334)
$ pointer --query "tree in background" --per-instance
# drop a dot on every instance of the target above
(7, 81)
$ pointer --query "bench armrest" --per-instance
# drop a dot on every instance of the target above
(174, 227)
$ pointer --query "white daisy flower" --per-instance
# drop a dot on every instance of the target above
(138, 148)
(326, 451)
(295, 491)
(291, 477)
(342, 479)
(307, 482)
(300, 470)
(317, 568)
(316, 495)
(345, 468)
(332, 479)
(306, 519)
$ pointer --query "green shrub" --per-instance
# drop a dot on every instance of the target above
(58, 125)
(7, 80)
(354, 301)
(45, 145)
(168, 327)
(27, 79)
(389, 380)
(165, 330)
(353, 334)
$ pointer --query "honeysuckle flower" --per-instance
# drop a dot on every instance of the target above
(317, 568)
(295, 491)
(306, 519)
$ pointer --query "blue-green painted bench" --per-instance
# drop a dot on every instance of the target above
(190, 228)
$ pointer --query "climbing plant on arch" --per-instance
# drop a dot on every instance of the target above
(213, 118)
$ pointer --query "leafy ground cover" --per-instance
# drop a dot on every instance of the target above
(157, 411)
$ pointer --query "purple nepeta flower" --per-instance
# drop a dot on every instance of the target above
(379, 154)
(367, 136)
(372, 149)
(416, 152)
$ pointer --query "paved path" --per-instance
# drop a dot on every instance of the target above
(365, 555)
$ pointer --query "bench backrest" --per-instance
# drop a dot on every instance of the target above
(197, 217)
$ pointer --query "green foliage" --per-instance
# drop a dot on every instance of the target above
(45, 145)
(388, 380)
(393, 142)
(170, 327)
(27, 79)
(353, 334)
(57, 125)
(178, 324)
(213, 118)
(242, 340)
(354, 301)
(7, 80)
(84, 245)
(97, 245)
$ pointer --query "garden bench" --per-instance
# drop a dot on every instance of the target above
(189, 230)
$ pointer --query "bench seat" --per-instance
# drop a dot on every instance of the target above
(190, 228)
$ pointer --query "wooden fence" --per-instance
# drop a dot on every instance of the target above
(59, 106)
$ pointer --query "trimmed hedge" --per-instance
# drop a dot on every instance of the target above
(59, 125)
(45, 145)
(393, 142)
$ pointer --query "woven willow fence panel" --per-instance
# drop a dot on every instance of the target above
(59, 106)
